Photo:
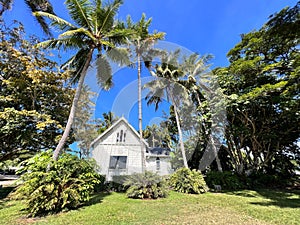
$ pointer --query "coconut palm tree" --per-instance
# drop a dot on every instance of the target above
(33, 5)
(195, 67)
(94, 29)
(166, 84)
(143, 42)
(180, 82)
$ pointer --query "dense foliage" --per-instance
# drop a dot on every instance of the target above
(51, 186)
(188, 181)
(146, 185)
(84, 127)
(33, 98)
(227, 180)
(262, 86)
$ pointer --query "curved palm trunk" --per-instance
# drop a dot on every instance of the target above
(140, 113)
(213, 143)
(179, 133)
(67, 130)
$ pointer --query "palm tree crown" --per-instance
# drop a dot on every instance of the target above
(94, 28)
(142, 42)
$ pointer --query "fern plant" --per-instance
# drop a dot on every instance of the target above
(51, 186)
(146, 185)
(188, 181)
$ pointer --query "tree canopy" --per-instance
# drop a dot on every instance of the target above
(262, 85)
(33, 97)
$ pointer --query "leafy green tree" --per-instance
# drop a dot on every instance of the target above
(85, 128)
(262, 85)
(94, 29)
(31, 118)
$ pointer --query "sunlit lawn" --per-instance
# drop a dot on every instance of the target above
(240, 207)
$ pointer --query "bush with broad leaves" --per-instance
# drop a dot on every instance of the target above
(49, 186)
(188, 181)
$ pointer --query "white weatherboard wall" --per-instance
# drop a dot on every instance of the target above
(164, 168)
(108, 146)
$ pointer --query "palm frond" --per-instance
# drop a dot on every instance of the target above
(76, 63)
(119, 33)
(129, 22)
(107, 44)
(56, 21)
(79, 31)
(119, 56)
(44, 6)
(104, 72)
(156, 92)
(68, 43)
(150, 54)
(5, 5)
(119, 36)
(180, 92)
(106, 16)
(96, 16)
(81, 12)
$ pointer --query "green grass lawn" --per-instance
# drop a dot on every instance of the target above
(239, 207)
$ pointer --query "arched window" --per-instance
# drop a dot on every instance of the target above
(121, 135)
(124, 137)
(118, 137)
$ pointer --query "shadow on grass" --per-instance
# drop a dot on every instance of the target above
(280, 198)
(97, 198)
(242, 193)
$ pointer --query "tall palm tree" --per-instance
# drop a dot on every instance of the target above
(33, 5)
(180, 82)
(194, 67)
(166, 85)
(143, 42)
(94, 30)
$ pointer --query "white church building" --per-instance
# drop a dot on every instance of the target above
(117, 151)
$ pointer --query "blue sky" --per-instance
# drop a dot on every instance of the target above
(206, 27)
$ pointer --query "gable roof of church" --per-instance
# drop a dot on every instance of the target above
(122, 119)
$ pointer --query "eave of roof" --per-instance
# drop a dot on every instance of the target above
(112, 127)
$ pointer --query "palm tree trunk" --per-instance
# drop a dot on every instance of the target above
(140, 112)
(216, 154)
(67, 130)
(213, 143)
(179, 132)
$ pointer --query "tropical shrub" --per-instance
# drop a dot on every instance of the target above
(51, 186)
(263, 180)
(117, 183)
(227, 180)
(188, 181)
(146, 185)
